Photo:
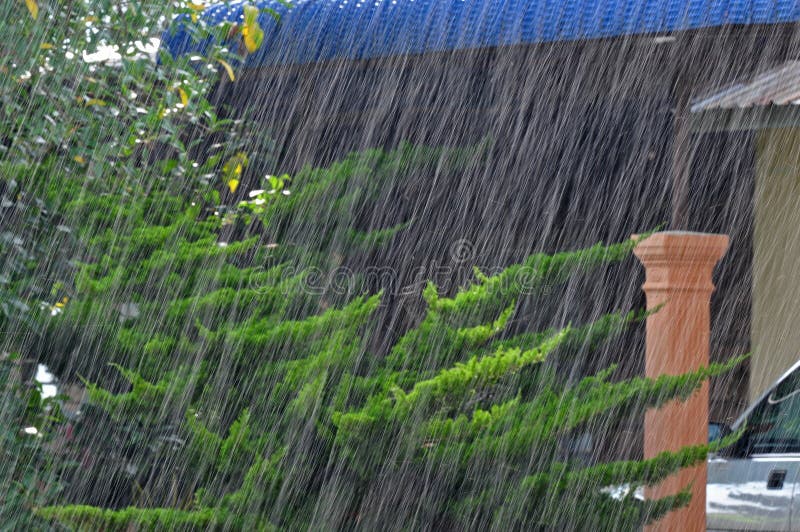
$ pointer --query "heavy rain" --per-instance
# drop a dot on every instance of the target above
(399, 265)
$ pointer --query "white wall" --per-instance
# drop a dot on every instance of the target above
(776, 257)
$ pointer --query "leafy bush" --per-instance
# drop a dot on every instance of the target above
(29, 471)
(231, 384)
(284, 418)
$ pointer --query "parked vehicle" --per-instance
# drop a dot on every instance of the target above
(755, 483)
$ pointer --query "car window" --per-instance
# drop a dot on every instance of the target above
(774, 425)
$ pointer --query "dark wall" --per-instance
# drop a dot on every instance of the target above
(581, 151)
(723, 179)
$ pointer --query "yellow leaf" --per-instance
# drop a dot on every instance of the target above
(95, 101)
(252, 32)
(46, 46)
(233, 168)
(65, 300)
(253, 39)
(184, 96)
(233, 184)
(228, 69)
(33, 7)
(197, 8)
(80, 160)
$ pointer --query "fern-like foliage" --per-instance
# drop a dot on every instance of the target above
(280, 414)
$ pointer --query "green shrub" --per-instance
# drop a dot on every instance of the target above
(227, 390)
(291, 421)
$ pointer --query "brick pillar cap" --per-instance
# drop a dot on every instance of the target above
(681, 246)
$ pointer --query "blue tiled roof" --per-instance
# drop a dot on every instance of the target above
(317, 30)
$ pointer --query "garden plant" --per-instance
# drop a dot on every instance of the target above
(230, 382)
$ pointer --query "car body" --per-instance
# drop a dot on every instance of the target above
(755, 483)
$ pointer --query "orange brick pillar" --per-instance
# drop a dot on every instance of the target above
(678, 268)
